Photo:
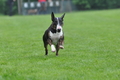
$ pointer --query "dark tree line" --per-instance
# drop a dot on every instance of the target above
(4, 7)
(96, 4)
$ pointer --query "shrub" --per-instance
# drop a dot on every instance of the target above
(4, 7)
(96, 4)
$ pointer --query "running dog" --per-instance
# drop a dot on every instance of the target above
(54, 35)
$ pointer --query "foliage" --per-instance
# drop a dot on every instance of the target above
(96, 4)
(4, 7)
(92, 47)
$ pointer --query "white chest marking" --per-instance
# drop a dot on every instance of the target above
(55, 36)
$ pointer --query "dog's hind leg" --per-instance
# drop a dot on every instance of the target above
(46, 50)
(57, 49)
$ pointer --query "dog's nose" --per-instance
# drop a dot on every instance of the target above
(59, 30)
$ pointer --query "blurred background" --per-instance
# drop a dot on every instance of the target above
(34, 7)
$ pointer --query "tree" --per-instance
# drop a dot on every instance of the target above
(96, 4)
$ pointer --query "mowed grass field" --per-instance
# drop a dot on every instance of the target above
(92, 47)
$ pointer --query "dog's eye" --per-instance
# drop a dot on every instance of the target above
(61, 23)
(55, 23)
(54, 26)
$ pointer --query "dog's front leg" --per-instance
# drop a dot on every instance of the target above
(61, 42)
(59, 45)
(52, 46)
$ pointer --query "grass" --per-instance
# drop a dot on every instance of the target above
(92, 47)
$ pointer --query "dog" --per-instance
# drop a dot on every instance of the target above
(32, 11)
(54, 35)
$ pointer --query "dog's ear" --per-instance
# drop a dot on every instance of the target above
(62, 16)
(52, 16)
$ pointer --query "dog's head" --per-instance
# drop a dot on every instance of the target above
(57, 23)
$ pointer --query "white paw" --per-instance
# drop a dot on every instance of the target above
(53, 48)
(61, 47)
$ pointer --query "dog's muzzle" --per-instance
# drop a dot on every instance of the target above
(58, 30)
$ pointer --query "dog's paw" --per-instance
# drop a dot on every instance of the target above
(61, 47)
(53, 48)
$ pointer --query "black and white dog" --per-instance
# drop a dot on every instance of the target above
(54, 35)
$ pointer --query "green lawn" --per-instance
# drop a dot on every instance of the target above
(92, 47)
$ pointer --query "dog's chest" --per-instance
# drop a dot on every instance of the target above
(55, 36)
